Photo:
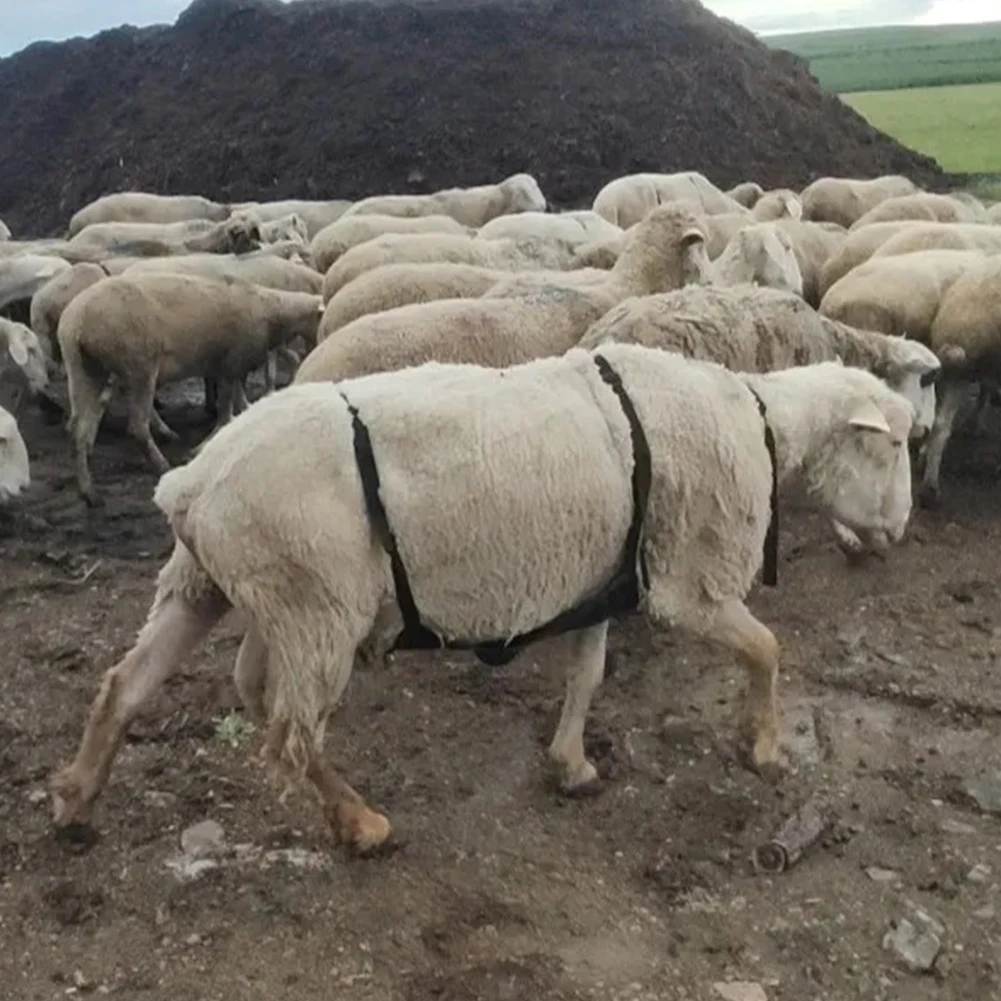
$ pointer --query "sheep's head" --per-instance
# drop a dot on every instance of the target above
(861, 475)
(288, 228)
(761, 255)
(913, 370)
(747, 194)
(522, 194)
(243, 234)
(779, 204)
(26, 352)
(15, 472)
(668, 248)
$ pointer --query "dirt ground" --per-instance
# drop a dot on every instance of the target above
(501, 890)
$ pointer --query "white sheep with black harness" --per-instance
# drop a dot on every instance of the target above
(578, 487)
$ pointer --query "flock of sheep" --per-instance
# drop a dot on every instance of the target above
(506, 425)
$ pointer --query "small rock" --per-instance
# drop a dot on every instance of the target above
(985, 791)
(799, 735)
(188, 869)
(851, 636)
(985, 913)
(193, 939)
(204, 838)
(878, 875)
(917, 947)
(979, 874)
(740, 990)
(949, 826)
(37, 796)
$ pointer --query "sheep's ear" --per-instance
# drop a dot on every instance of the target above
(691, 236)
(18, 350)
(868, 415)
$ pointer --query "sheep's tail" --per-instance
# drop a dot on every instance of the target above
(86, 394)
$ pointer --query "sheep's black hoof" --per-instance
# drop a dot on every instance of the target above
(929, 497)
(77, 837)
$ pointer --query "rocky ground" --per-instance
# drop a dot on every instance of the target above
(202, 886)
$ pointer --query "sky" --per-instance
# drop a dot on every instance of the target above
(26, 21)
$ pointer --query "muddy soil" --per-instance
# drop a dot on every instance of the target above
(500, 889)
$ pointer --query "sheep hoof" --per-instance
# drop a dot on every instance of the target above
(576, 782)
(929, 498)
(69, 807)
(364, 833)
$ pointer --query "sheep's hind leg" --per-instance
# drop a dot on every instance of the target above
(171, 633)
(250, 674)
(583, 653)
(87, 404)
(140, 407)
(160, 428)
(353, 823)
(735, 628)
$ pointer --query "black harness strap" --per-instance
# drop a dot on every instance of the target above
(620, 595)
(103, 267)
(770, 570)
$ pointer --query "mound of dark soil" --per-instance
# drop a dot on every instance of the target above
(254, 99)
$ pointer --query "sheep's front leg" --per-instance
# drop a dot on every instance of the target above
(87, 403)
(583, 654)
(735, 628)
(949, 404)
(141, 391)
(172, 631)
(250, 674)
(271, 372)
(228, 390)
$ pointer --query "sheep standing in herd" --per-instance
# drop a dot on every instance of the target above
(469, 206)
(526, 317)
(557, 477)
(155, 328)
(142, 207)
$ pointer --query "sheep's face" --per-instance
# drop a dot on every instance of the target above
(14, 470)
(863, 475)
(26, 352)
(523, 194)
(291, 228)
(243, 235)
(775, 263)
(915, 377)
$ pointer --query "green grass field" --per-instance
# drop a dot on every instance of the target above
(867, 59)
(958, 126)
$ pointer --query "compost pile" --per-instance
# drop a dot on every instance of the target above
(255, 99)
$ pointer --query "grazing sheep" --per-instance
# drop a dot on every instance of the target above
(286, 229)
(22, 346)
(747, 193)
(339, 237)
(4, 231)
(897, 295)
(572, 227)
(449, 248)
(923, 206)
(844, 199)
(473, 207)
(627, 200)
(15, 469)
(858, 246)
(149, 329)
(234, 236)
(966, 335)
(524, 317)
(315, 214)
(814, 244)
(557, 480)
(760, 254)
(752, 329)
(257, 267)
(941, 236)
(21, 277)
(140, 206)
